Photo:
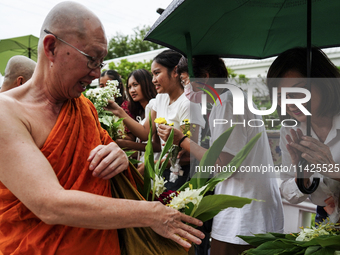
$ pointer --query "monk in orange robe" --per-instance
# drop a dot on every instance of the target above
(55, 159)
(67, 147)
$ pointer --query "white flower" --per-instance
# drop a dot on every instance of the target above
(307, 234)
(159, 185)
(100, 97)
(187, 196)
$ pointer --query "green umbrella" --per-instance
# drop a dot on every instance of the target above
(24, 45)
(245, 28)
(248, 29)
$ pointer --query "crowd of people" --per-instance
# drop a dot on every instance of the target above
(56, 159)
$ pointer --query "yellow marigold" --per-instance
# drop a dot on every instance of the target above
(171, 124)
(188, 134)
(186, 120)
(194, 125)
(160, 120)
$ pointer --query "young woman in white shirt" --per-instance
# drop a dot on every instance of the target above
(171, 104)
(141, 95)
(321, 149)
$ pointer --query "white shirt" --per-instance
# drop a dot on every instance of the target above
(178, 111)
(256, 217)
(327, 187)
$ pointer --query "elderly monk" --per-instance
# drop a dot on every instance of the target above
(19, 69)
(55, 159)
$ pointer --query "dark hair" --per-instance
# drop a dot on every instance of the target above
(144, 79)
(169, 59)
(113, 75)
(295, 59)
(202, 64)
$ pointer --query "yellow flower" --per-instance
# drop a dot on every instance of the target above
(186, 120)
(171, 124)
(160, 120)
(188, 134)
(194, 125)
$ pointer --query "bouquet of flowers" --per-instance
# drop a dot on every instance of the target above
(323, 239)
(100, 97)
(190, 198)
(175, 168)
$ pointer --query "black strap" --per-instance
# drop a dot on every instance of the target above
(300, 183)
(180, 141)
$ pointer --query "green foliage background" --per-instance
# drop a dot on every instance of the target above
(124, 67)
(122, 45)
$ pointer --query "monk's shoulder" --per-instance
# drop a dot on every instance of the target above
(8, 105)
(11, 110)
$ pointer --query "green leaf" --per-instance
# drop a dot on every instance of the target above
(134, 161)
(208, 215)
(235, 162)
(185, 185)
(325, 241)
(275, 243)
(311, 249)
(243, 153)
(209, 159)
(166, 148)
(106, 120)
(277, 247)
(129, 153)
(211, 205)
(258, 239)
(164, 165)
(320, 251)
(149, 165)
(188, 208)
(148, 175)
(279, 235)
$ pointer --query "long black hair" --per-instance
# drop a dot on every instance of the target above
(144, 79)
(169, 59)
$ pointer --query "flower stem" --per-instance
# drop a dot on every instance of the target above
(153, 190)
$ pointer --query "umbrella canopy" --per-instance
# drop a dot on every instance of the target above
(24, 45)
(245, 28)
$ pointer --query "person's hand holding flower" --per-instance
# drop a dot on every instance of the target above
(164, 131)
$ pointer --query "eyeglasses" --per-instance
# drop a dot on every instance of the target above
(92, 63)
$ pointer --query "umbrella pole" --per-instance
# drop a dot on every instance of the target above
(189, 54)
(29, 47)
(309, 61)
(303, 163)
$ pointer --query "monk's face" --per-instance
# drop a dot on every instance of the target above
(74, 68)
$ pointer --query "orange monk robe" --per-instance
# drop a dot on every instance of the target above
(67, 148)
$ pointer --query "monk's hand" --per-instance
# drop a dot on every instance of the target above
(107, 160)
(170, 223)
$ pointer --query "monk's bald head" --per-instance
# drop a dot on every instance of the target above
(70, 19)
(18, 67)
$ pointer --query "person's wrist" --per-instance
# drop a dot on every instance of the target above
(182, 139)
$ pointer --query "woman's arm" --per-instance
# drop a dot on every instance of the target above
(131, 145)
(190, 146)
(141, 131)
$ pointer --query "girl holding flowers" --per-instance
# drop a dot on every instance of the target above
(141, 94)
(171, 104)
